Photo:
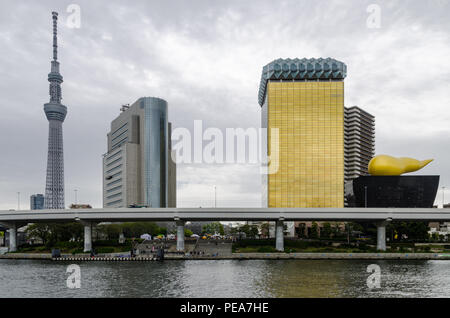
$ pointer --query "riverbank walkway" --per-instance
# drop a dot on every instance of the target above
(233, 256)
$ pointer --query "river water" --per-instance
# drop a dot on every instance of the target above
(226, 278)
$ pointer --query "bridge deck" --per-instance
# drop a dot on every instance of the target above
(226, 214)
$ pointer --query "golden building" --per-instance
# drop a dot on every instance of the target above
(304, 100)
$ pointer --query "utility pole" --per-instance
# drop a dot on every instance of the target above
(348, 232)
(443, 196)
(76, 201)
(18, 200)
(215, 196)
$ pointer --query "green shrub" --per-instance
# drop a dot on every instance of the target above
(67, 245)
(363, 247)
(106, 243)
(121, 249)
(248, 242)
(266, 249)
(404, 245)
(77, 251)
(103, 250)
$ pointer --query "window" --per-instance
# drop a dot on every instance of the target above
(114, 195)
(114, 155)
(114, 202)
(114, 169)
(114, 182)
(114, 189)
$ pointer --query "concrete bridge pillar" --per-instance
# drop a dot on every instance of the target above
(381, 235)
(87, 236)
(12, 237)
(279, 235)
(180, 235)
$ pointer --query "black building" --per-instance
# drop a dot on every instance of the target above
(392, 191)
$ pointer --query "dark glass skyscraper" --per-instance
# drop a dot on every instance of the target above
(137, 169)
(37, 202)
(56, 113)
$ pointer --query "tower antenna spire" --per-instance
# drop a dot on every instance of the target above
(55, 39)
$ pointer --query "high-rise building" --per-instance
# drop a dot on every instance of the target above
(136, 166)
(36, 202)
(303, 99)
(56, 113)
(172, 174)
(359, 141)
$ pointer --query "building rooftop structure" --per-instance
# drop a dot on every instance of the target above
(301, 69)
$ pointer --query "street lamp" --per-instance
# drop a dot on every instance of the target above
(365, 196)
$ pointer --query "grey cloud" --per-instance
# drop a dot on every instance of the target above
(205, 58)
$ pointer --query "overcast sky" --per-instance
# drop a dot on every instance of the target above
(205, 58)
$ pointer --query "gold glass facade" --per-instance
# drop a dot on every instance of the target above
(310, 119)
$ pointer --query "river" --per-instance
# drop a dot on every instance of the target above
(226, 278)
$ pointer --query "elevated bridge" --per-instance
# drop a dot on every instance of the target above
(381, 216)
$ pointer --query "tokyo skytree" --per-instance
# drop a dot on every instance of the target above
(56, 113)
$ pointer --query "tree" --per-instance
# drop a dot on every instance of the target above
(136, 229)
(416, 231)
(39, 231)
(314, 230)
(162, 230)
(187, 232)
(213, 228)
(265, 229)
(301, 230)
(245, 228)
(110, 231)
(63, 232)
(130, 229)
(50, 233)
(326, 230)
(335, 229)
(435, 236)
(253, 232)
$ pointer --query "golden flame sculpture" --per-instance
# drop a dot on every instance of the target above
(384, 165)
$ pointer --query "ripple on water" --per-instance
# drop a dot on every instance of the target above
(227, 278)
